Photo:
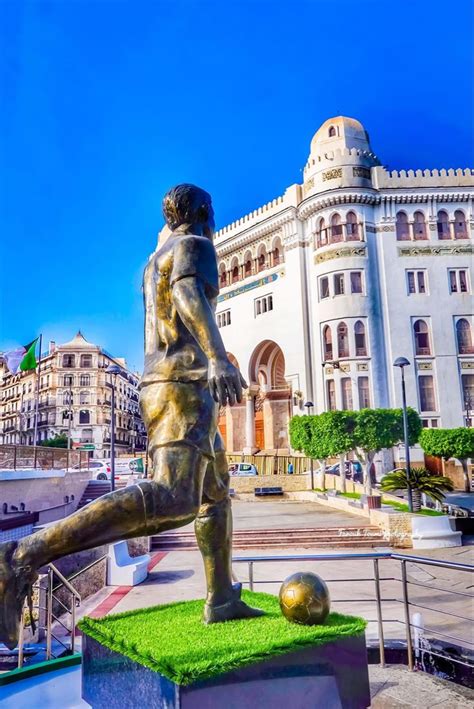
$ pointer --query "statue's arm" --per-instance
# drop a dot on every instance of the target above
(194, 309)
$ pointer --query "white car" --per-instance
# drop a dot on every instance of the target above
(124, 469)
(244, 469)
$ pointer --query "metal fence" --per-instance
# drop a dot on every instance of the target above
(41, 458)
(399, 592)
(273, 464)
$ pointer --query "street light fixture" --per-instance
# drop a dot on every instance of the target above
(309, 409)
(113, 370)
(402, 362)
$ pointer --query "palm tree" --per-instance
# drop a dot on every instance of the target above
(420, 480)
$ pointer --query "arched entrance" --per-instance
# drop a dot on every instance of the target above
(270, 398)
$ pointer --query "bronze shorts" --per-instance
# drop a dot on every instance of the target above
(181, 413)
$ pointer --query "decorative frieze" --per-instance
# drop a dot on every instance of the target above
(332, 174)
(467, 365)
(362, 367)
(361, 172)
(344, 251)
(249, 286)
(345, 367)
(308, 185)
(435, 250)
(385, 227)
(424, 365)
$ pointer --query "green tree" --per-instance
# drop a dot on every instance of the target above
(419, 481)
(450, 443)
(377, 429)
(58, 441)
(323, 436)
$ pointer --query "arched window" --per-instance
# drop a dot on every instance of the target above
(464, 337)
(235, 271)
(352, 228)
(342, 340)
(443, 225)
(327, 340)
(262, 259)
(321, 233)
(222, 275)
(84, 416)
(422, 338)
(332, 132)
(460, 228)
(68, 380)
(359, 336)
(248, 264)
(336, 228)
(68, 398)
(85, 380)
(69, 360)
(419, 225)
(402, 227)
(84, 397)
(277, 253)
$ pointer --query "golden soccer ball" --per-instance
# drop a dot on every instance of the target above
(304, 599)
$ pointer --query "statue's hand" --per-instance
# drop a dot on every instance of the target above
(226, 382)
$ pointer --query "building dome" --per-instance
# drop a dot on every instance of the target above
(340, 132)
(340, 156)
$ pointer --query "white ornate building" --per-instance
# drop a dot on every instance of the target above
(324, 287)
(72, 387)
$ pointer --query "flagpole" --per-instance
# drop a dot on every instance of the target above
(38, 372)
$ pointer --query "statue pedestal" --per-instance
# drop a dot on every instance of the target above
(333, 676)
(165, 656)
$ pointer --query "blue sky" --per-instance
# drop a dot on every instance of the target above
(105, 105)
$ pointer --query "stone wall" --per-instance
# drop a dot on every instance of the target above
(453, 470)
(396, 527)
(43, 491)
(289, 483)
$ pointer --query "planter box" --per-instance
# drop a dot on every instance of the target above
(333, 676)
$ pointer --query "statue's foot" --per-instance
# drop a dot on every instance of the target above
(234, 609)
(15, 585)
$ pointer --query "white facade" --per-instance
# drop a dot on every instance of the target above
(323, 288)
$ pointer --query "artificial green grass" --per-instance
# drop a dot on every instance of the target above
(172, 639)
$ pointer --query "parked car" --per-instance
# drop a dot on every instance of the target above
(353, 470)
(243, 469)
(124, 468)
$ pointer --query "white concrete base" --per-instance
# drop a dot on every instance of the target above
(434, 533)
(123, 569)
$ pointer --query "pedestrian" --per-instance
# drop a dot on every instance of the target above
(290, 468)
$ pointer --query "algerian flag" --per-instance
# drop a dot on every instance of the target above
(22, 358)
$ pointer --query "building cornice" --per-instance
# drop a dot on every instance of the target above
(270, 225)
(316, 202)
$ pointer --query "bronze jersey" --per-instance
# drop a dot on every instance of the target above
(171, 352)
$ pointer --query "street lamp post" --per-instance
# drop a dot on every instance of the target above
(309, 410)
(113, 370)
(402, 362)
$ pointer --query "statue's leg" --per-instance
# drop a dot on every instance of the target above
(213, 528)
(169, 500)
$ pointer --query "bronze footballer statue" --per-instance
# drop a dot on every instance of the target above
(187, 377)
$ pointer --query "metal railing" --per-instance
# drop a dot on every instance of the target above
(19, 457)
(49, 619)
(378, 599)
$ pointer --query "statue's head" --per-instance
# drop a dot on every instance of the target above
(189, 206)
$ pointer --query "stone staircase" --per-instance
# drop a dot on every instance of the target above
(326, 537)
(94, 489)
